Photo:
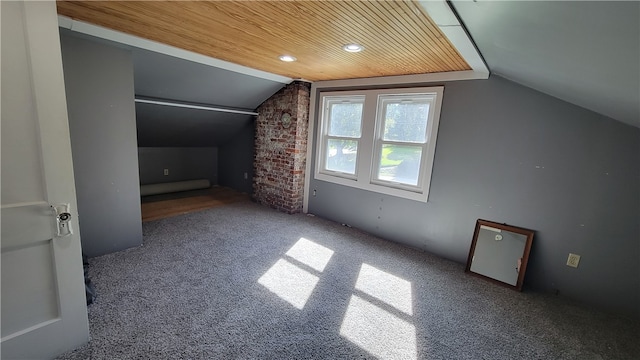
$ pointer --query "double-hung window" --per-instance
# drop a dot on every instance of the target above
(342, 130)
(379, 140)
(401, 139)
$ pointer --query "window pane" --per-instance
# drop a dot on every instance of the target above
(406, 121)
(400, 163)
(345, 119)
(341, 155)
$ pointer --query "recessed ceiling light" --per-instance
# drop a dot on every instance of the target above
(354, 48)
(287, 58)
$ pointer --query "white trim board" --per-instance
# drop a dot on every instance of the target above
(193, 106)
(442, 15)
(418, 79)
(135, 41)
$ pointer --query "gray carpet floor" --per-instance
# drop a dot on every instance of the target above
(246, 282)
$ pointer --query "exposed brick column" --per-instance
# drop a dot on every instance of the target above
(280, 153)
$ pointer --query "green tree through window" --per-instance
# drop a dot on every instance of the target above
(343, 134)
(403, 137)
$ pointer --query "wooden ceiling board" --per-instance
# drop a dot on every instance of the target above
(437, 43)
(398, 36)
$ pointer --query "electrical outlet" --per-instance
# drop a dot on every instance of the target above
(166, 172)
(246, 176)
(573, 260)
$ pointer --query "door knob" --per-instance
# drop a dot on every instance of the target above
(63, 216)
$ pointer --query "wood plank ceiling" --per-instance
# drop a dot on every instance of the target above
(398, 36)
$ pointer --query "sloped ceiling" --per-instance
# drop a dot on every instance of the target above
(399, 39)
(167, 77)
(584, 52)
(161, 76)
(398, 36)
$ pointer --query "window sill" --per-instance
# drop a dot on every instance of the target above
(386, 190)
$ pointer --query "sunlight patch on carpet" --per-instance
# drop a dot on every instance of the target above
(385, 287)
(311, 254)
(377, 331)
(374, 325)
(292, 283)
(289, 282)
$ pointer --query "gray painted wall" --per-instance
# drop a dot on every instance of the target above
(236, 159)
(513, 155)
(99, 89)
(184, 163)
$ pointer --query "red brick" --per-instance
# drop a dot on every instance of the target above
(280, 154)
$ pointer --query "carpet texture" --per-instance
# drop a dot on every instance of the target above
(246, 282)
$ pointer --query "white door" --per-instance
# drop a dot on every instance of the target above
(43, 302)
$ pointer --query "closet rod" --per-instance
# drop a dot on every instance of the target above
(193, 106)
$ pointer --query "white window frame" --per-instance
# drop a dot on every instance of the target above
(327, 101)
(367, 156)
(379, 139)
